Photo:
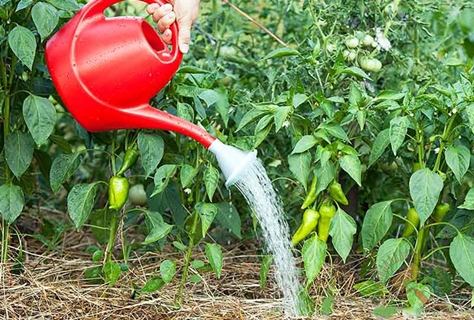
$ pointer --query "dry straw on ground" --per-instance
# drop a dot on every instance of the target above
(52, 287)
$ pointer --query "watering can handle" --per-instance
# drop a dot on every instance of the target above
(97, 7)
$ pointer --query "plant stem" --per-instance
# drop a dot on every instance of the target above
(446, 134)
(187, 259)
(421, 238)
(7, 81)
(5, 236)
(112, 236)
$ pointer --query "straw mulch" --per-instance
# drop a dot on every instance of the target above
(52, 287)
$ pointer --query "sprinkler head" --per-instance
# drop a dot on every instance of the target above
(232, 161)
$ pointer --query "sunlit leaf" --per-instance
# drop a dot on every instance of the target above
(377, 222)
(390, 257)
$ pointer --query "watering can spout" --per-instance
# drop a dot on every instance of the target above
(232, 161)
(147, 117)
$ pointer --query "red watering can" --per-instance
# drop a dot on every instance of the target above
(106, 70)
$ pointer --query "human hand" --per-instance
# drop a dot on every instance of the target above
(185, 12)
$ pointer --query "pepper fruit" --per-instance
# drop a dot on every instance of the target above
(326, 211)
(118, 192)
(441, 211)
(335, 191)
(131, 156)
(311, 195)
(414, 218)
(310, 220)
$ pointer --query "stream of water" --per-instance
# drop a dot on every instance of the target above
(258, 190)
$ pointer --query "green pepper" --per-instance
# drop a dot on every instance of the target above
(326, 211)
(310, 220)
(118, 192)
(335, 191)
(412, 223)
(131, 156)
(311, 195)
(441, 211)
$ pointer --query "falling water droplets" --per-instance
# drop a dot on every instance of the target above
(257, 189)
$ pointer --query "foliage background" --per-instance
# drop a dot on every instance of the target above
(292, 92)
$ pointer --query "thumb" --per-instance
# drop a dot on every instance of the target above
(185, 26)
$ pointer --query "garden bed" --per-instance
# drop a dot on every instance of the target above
(52, 286)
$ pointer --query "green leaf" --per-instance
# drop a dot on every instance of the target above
(461, 251)
(63, 168)
(214, 255)
(195, 278)
(355, 95)
(458, 159)
(391, 255)
(167, 270)
(462, 220)
(314, 255)
(19, 148)
(370, 288)
(336, 131)
(280, 116)
(23, 4)
(40, 117)
(187, 174)
(385, 312)
(62, 143)
(97, 255)
(468, 201)
(261, 132)
(67, 5)
(45, 18)
(23, 44)
(425, 188)
(211, 180)
(151, 147)
(80, 201)
(197, 264)
(219, 99)
(380, 144)
(185, 111)
(398, 131)
(342, 230)
(351, 164)
(12, 201)
(305, 143)
(100, 224)
(282, 52)
(251, 116)
(354, 71)
(418, 294)
(228, 216)
(470, 115)
(207, 212)
(327, 305)
(377, 222)
(389, 95)
(152, 285)
(157, 228)
(300, 165)
(297, 100)
(111, 272)
(325, 174)
(264, 269)
(162, 177)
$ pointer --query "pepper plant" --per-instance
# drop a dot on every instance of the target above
(371, 104)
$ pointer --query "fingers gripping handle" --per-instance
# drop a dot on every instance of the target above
(97, 7)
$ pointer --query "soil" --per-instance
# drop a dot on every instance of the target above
(51, 285)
